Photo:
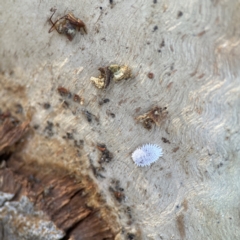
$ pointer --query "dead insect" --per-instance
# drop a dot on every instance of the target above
(63, 91)
(90, 116)
(68, 25)
(155, 115)
(104, 78)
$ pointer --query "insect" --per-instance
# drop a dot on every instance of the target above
(64, 92)
(156, 115)
(68, 25)
(147, 154)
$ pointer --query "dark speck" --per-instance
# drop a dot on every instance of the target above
(69, 135)
(46, 105)
(36, 126)
(155, 28)
(130, 236)
(65, 104)
(180, 13)
(162, 43)
(101, 102)
(49, 129)
(159, 51)
(106, 100)
(101, 8)
(88, 115)
(111, 1)
(19, 108)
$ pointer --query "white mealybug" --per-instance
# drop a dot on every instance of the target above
(147, 154)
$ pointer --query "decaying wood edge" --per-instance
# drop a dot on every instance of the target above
(73, 204)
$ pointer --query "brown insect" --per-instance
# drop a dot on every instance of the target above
(68, 25)
(155, 116)
(63, 91)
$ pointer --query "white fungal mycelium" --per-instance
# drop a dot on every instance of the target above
(147, 154)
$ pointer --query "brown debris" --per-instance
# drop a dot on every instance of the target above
(155, 116)
(72, 204)
(181, 226)
(10, 133)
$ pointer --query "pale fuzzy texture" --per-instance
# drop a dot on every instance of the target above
(147, 154)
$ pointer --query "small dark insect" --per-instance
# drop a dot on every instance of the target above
(101, 102)
(165, 140)
(46, 105)
(68, 25)
(180, 13)
(63, 91)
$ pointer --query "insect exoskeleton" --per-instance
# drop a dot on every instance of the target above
(68, 25)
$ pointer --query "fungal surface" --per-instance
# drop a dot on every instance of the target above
(146, 155)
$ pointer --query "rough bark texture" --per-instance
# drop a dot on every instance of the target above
(184, 56)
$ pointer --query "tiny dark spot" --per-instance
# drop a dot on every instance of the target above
(36, 126)
(177, 206)
(130, 236)
(112, 115)
(101, 102)
(88, 115)
(100, 8)
(155, 1)
(76, 98)
(150, 75)
(111, 1)
(19, 108)
(65, 104)
(155, 28)
(69, 135)
(148, 43)
(175, 149)
(46, 105)
(159, 51)
(165, 140)
(180, 13)
(79, 144)
(49, 129)
(162, 43)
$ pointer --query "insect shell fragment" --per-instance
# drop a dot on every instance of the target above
(68, 25)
